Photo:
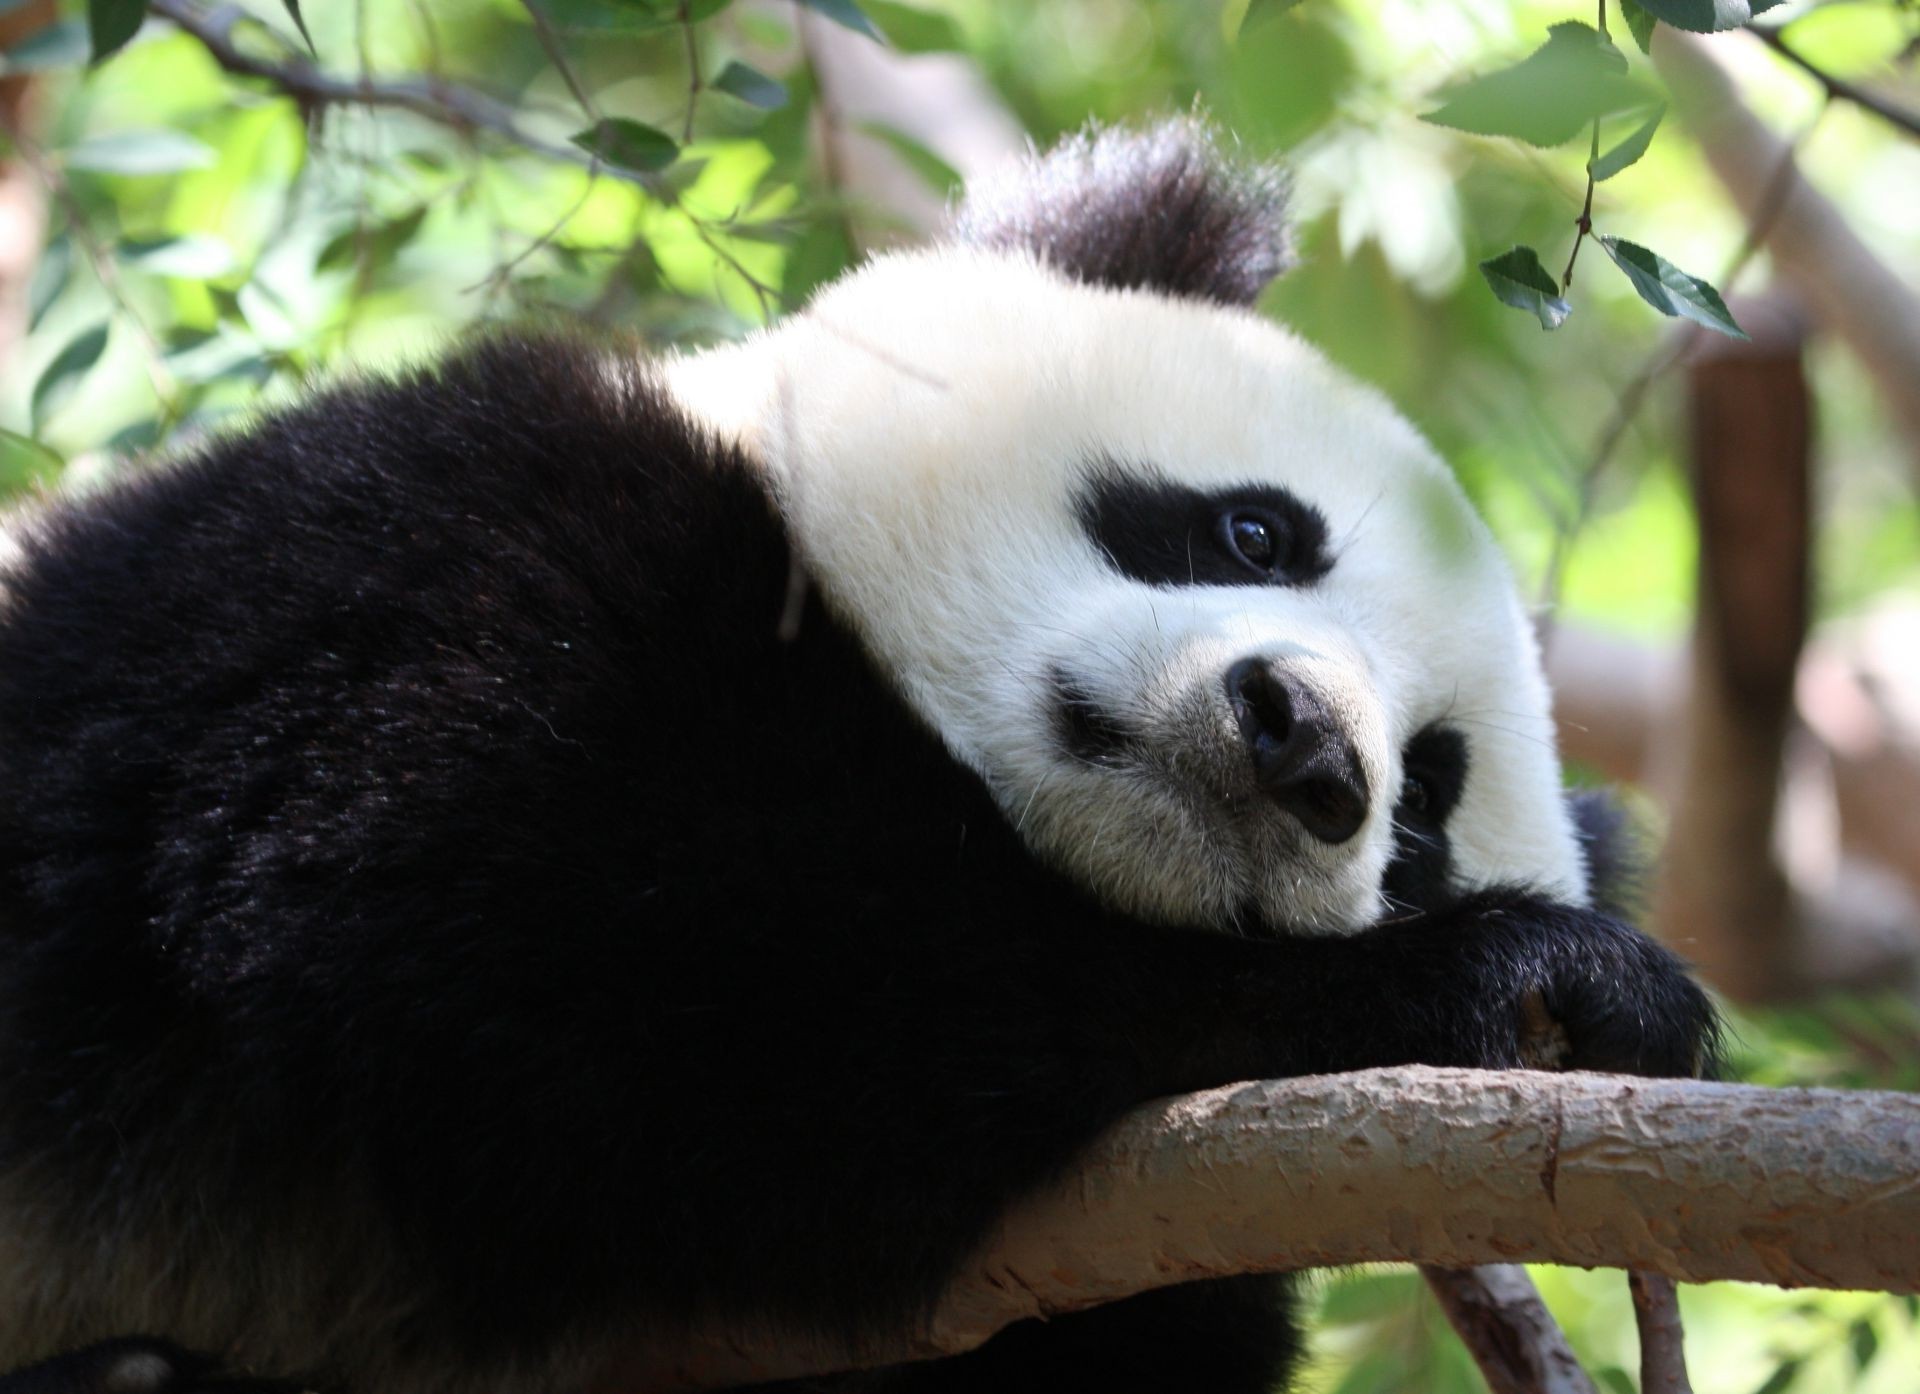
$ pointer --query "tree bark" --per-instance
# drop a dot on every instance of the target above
(1508, 1330)
(1449, 1168)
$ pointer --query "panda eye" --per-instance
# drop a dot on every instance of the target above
(1255, 538)
(1416, 796)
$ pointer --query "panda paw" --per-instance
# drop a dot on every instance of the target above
(1580, 990)
(135, 1365)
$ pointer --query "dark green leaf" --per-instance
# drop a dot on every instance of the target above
(1551, 95)
(1518, 279)
(1639, 24)
(1265, 9)
(1781, 1378)
(1864, 1341)
(941, 176)
(847, 13)
(1707, 16)
(61, 45)
(300, 23)
(628, 144)
(63, 375)
(155, 151)
(110, 23)
(1628, 151)
(912, 29)
(1670, 290)
(751, 86)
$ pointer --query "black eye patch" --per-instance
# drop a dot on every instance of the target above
(1167, 534)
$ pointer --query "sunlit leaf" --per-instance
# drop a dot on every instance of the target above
(912, 29)
(26, 462)
(629, 144)
(378, 244)
(1670, 290)
(1551, 95)
(751, 86)
(1707, 16)
(1629, 150)
(844, 12)
(110, 23)
(196, 257)
(1518, 279)
(63, 374)
(156, 151)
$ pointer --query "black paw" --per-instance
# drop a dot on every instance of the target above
(134, 1365)
(1577, 989)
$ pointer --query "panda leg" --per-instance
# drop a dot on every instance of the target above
(134, 1365)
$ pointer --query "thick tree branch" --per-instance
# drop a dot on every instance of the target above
(1450, 1168)
(1508, 1330)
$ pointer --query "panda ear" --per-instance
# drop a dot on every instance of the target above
(1162, 209)
(1616, 850)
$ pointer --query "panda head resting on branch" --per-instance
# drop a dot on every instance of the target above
(505, 865)
(1215, 624)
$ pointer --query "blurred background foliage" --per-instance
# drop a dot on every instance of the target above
(202, 244)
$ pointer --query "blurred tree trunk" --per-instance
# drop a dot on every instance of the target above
(1723, 894)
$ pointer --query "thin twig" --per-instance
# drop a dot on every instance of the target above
(1633, 393)
(694, 85)
(1839, 87)
(1507, 1329)
(832, 129)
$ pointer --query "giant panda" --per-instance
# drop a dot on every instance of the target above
(507, 861)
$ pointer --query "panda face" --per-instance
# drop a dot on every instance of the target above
(1214, 623)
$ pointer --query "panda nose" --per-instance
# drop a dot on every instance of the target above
(1302, 760)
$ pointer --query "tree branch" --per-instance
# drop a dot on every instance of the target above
(1508, 1330)
(1839, 87)
(1450, 1168)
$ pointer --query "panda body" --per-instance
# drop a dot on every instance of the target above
(507, 863)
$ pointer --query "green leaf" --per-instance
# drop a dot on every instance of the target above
(847, 13)
(379, 244)
(942, 177)
(1639, 24)
(1628, 151)
(1707, 16)
(1864, 1341)
(139, 152)
(49, 279)
(1670, 290)
(1259, 9)
(300, 23)
(26, 462)
(63, 375)
(1780, 1379)
(1551, 95)
(61, 45)
(110, 23)
(193, 258)
(1518, 279)
(751, 86)
(912, 29)
(628, 144)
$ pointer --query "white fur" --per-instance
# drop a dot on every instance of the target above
(927, 422)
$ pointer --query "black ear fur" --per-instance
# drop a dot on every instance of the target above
(1161, 209)
(1616, 850)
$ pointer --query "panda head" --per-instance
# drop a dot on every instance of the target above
(1214, 623)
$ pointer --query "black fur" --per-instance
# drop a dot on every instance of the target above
(412, 809)
(1161, 209)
